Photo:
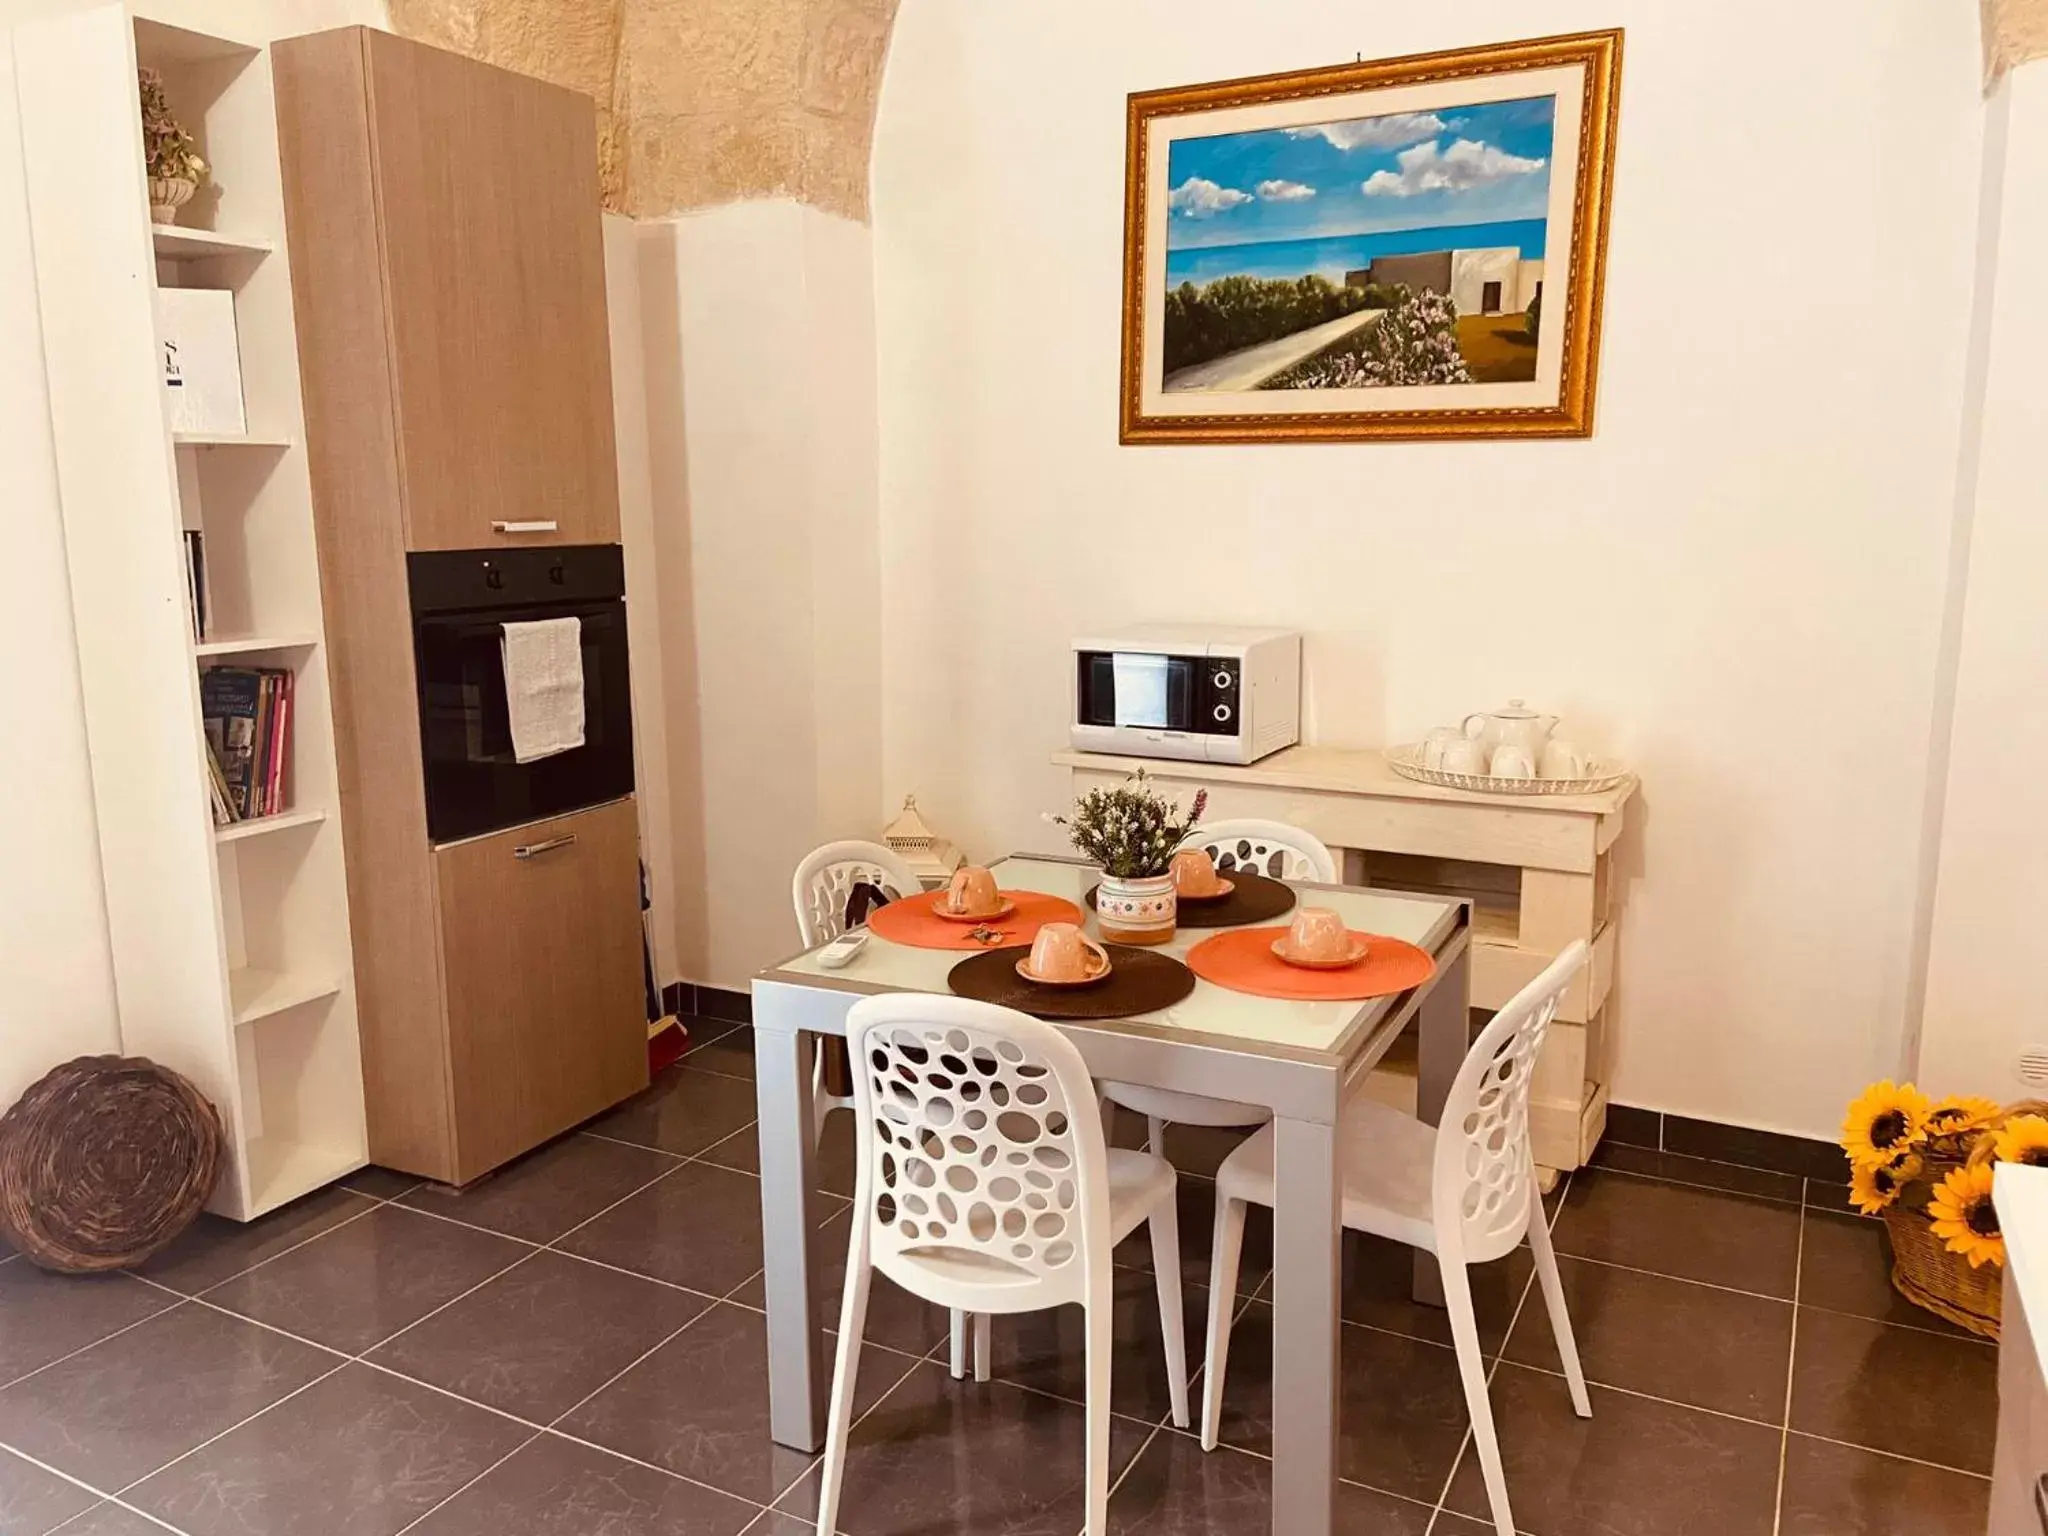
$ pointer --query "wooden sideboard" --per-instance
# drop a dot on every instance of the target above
(1537, 869)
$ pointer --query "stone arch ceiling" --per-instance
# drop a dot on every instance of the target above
(698, 101)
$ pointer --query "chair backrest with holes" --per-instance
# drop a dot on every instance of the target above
(1483, 1181)
(828, 874)
(981, 1163)
(1266, 848)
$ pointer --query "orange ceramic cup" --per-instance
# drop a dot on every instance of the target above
(1062, 952)
(1194, 873)
(1318, 934)
(972, 892)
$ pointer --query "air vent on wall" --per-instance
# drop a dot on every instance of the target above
(2034, 1065)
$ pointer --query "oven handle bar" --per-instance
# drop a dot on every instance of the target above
(547, 526)
(535, 850)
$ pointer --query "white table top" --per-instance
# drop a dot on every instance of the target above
(2021, 1195)
(1209, 1010)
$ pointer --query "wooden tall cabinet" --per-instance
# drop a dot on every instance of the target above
(448, 286)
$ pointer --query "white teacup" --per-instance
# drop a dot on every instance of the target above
(1463, 755)
(1562, 760)
(1437, 742)
(1511, 762)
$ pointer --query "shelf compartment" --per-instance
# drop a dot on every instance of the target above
(229, 440)
(281, 1171)
(256, 826)
(257, 994)
(177, 242)
(242, 645)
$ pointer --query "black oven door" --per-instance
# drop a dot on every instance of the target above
(473, 783)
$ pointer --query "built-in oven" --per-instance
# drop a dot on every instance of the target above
(461, 601)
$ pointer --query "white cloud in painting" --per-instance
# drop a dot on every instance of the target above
(1285, 191)
(1466, 164)
(1200, 198)
(1388, 132)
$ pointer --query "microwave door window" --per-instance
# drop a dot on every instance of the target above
(1140, 690)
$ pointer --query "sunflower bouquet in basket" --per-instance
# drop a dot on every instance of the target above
(1925, 1166)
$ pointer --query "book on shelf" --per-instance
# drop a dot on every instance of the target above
(195, 583)
(247, 713)
(217, 789)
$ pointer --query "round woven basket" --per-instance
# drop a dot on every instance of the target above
(1929, 1276)
(103, 1162)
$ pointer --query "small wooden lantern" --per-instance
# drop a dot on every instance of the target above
(931, 856)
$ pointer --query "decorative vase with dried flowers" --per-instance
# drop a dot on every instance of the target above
(174, 164)
(1925, 1167)
(1131, 833)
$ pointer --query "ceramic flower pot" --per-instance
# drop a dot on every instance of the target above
(1136, 911)
(167, 195)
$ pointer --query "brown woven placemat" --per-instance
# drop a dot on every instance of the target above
(1140, 980)
(1256, 900)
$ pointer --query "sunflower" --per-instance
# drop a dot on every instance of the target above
(1964, 1217)
(1884, 1122)
(1872, 1188)
(2022, 1139)
(1960, 1112)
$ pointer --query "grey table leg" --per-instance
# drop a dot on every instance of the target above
(1443, 1031)
(798, 1377)
(1307, 1257)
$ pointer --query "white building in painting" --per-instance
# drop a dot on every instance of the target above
(1485, 280)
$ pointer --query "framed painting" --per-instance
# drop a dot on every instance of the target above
(1408, 248)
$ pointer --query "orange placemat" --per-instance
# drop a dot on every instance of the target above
(912, 921)
(1242, 959)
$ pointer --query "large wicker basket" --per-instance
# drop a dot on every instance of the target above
(1929, 1276)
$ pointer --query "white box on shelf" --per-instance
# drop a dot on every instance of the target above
(202, 363)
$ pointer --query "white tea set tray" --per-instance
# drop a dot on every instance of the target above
(1407, 762)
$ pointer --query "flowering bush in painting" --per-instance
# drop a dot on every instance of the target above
(1415, 343)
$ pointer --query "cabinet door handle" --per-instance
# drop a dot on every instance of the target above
(535, 850)
(547, 526)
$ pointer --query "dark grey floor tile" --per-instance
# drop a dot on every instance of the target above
(380, 1183)
(1175, 1489)
(44, 1317)
(1690, 1234)
(132, 1402)
(112, 1520)
(978, 1458)
(1755, 1149)
(555, 1487)
(895, 1318)
(542, 1336)
(1401, 1440)
(1846, 1266)
(1831, 1195)
(699, 1227)
(212, 1249)
(1635, 1468)
(33, 1501)
(1895, 1389)
(699, 1407)
(1047, 1350)
(774, 1522)
(548, 1191)
(681, 1111)
(360, 1284)
(1379, 1291)
(359, 1454)
(741, 1151)
(1832, 1489)
(1195, 1210)
(1644, 1333)
(726, 1048)
(1198, 1150)
(832, 1166)
(1698, 1171)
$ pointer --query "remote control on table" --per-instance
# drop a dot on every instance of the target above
(840, 952)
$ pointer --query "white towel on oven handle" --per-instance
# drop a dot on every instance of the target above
(543, 686)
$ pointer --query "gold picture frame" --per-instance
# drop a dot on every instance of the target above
(1418, 161)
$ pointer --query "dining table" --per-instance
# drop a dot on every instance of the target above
(1299, 1059)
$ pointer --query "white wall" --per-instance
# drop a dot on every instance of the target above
(1990, 891)
(56, 974)
(759, 362)
(1736, 583)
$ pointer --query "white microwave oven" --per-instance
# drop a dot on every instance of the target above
(1203, 693)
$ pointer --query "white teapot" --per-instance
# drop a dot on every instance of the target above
(1517, 728)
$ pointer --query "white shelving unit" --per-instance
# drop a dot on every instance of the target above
(231, 944)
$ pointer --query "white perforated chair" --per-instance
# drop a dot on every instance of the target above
(1464, 1189)
(985, 1185)
(1270, 848)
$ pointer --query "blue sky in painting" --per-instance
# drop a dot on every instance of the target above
(1402, 170)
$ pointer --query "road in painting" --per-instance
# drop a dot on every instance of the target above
(1405, 248)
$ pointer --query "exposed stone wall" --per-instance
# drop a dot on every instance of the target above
(698, 101)
(2014, 32)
